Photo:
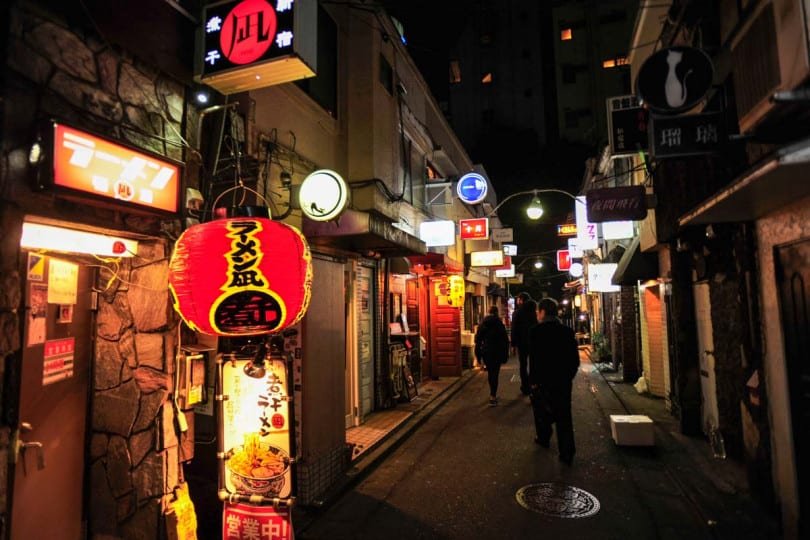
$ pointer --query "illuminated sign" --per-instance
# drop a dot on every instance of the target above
(255, 430)
(567, 229)
(599, 276)
(503, 235)
(563, 260)
(575, 270)
(573, 249)
(472, 188)
(507, 263)
(91, 164)
(250, 44)
(486, 258)
(510, 249)
(251, 522)
(586, 231)
(502, 273)
(474, 229)
(617, 230)
(437, 233)
(38, 236)
(323, 195)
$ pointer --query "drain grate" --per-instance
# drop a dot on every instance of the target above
(557, 500)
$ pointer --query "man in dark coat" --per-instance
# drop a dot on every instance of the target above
(492, 344)
(553, 363)
(524, 318)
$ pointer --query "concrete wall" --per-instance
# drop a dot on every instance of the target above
(785, 225)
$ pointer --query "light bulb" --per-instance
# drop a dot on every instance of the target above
(535, 209)
(538, 265)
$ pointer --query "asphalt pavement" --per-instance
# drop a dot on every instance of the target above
(457, 476)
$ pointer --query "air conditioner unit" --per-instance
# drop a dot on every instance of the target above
(770, 54)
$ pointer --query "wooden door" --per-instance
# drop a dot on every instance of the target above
(445, 336)
(48, 497)
(710, 415)
(793, 279)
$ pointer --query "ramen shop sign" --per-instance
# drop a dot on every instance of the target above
(250, 44)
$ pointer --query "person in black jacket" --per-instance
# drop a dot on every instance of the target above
(553, 363)
(492, 344)
(524, 318)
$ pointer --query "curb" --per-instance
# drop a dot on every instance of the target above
(375, 455)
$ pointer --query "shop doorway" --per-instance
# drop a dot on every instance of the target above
(654, 354)
(445, 335)
(53, 404)
(710, 415)
(793, 280)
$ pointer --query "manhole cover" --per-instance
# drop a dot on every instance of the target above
(557, 500)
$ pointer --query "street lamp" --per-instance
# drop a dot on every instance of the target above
(535, 209)
(538, 264)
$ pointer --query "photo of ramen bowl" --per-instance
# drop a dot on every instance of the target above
(258, 468)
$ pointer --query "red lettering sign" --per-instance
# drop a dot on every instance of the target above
(563, 260)
(248, 522)
(248, 31)
(474, 229)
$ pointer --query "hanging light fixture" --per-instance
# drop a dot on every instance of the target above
(538, 264)
(535, 209)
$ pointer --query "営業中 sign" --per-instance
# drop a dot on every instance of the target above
(242, 521)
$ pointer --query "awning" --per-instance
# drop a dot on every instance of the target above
(363, 232)
(435, 262)
(768, 186)
(635, 265)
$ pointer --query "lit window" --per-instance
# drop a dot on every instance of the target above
(566, 34)
(621, 61)
(486, 79)
(455, 72)
(609, 63)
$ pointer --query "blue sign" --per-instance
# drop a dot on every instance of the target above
(472, 188)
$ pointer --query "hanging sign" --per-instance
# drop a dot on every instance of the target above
(36, 266)
(108, 170)
(456, 296)
(675, 79)
(474, 229)
(486, 258)
(472, 188)
(616, 204)
(599, 276)
(240, 276)
(437, 233)
(510, 249)
(58, 362)
(502, 235)
(627, 126)
(505, 272)
(517, 279)
(256, 431)
(250, 44)
(573, 249)
(617, 230)
(567, 229)
(586, 231)
(507, 263)
(323, 195)
(563, 260)
(689, 135)
(249, 522)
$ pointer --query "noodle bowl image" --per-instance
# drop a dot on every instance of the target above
(258, 467)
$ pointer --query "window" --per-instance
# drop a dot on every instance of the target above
(610, 63)
(566, 34)
(323, 87)
(455, 72)
(487, 78)
(386, 75)
(620, 60)
(431, 173)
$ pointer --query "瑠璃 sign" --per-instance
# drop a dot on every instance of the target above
(107, 170)
(486, 258)
(242, 521)
(472, 188)
(616, 204)
(474, 229)
(250, 44)
(627, 126)
(675, 79)
(689, 135)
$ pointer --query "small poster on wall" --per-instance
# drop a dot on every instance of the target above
(58, 363)
(37, 314)
(63, 281)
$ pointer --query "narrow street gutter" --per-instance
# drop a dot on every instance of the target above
(364, 465)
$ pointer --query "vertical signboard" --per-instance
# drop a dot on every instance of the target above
(248, 522)
(563, 260)
(256, 431)
(58, 364)
(586, 231)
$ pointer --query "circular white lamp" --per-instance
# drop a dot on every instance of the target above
(535, 209)
(323, 195)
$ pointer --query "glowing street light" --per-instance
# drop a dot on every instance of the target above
(535, 209)
(538, 265)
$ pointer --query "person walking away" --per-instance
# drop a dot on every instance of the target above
(524, 318)
(492, 343)
(553, 364)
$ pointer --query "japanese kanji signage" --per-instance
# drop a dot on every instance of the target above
(693, 134)
(58, 363)
(587, 234)
(474, 229)
(107, 170)
(627, 126)
(675, 79)
(248, 522)
(616, 204)
(256, 430)
(503, 235)
(567, 229)
(241, 276)
(486, 258)
(563, 260)
(250, 44)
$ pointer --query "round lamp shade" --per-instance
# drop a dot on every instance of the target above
(241, 276)
(323, 195)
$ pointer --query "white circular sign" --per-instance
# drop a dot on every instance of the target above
(323, 195)
(575, 270)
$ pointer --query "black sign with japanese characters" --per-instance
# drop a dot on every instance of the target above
(625, 203)
(675, 79)
(690, 135)
(628, 123)
(241, 32)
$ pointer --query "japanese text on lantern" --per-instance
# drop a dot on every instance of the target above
(245, 255)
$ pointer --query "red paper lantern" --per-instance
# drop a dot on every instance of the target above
(241, 276)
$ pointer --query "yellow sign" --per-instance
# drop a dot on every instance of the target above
(63, 281)
(456, 296)
(181, 519)
(567, 229)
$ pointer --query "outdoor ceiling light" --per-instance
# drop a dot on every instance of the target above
(538, 264)
(535, 209)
